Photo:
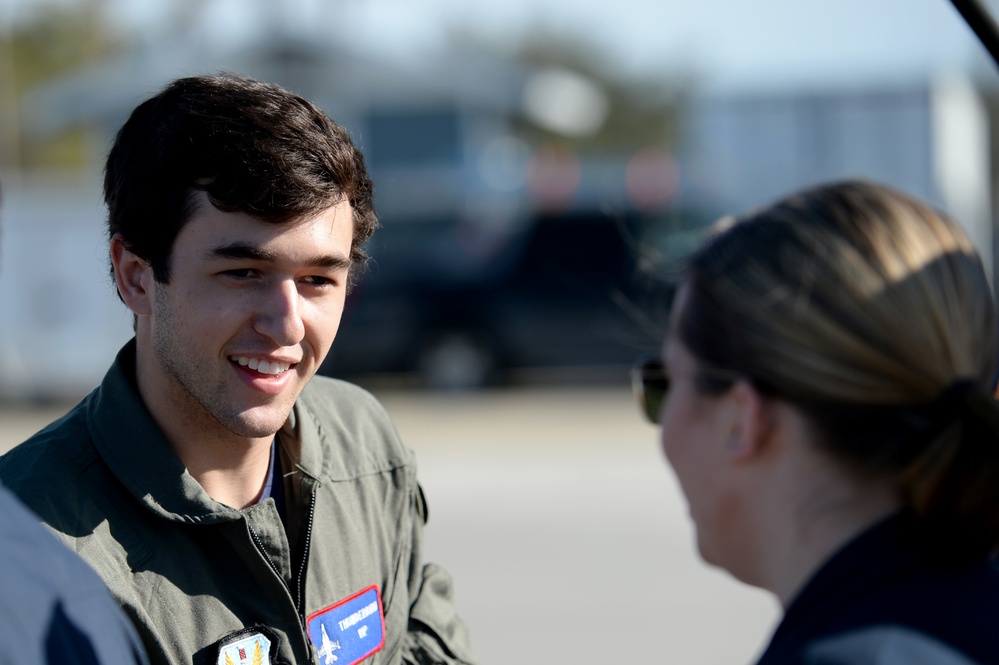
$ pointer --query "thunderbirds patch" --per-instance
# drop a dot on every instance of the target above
(250, 646)
(350, 630)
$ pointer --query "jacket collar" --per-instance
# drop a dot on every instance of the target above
(134, 448)
(319, 440)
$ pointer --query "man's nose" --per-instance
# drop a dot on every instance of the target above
(279, 314)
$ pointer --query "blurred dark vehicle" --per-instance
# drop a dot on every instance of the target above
(456, 304)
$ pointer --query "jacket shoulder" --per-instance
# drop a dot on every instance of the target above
(352, 426)
(62, 447)
(43, 470)
(883, 645)
(51, 592)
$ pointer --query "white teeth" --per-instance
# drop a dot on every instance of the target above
(262, 366)
(272, 367)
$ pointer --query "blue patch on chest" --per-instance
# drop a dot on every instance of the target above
(350, 630)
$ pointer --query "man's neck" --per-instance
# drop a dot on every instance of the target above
(231, 468)
(237, 480)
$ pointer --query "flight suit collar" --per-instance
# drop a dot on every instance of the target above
(138, 454)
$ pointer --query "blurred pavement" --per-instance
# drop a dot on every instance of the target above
(563, 528)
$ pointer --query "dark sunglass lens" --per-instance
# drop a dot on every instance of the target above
(649, 384)
(655, 394)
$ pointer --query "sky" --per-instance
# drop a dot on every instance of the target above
(726, 42)
(727, 39)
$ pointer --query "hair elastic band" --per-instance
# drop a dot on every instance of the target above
(958, 391)
(969, 401)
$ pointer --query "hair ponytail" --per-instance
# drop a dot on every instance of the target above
(953, 483)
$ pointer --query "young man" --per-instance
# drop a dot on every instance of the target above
(241, 510)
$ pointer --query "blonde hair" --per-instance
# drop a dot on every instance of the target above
(872, 312)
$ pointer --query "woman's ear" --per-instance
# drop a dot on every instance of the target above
(133, 276)
(753, 423)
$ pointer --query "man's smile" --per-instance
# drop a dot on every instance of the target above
(262, 366)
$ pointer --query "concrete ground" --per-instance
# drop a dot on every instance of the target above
(563, 528)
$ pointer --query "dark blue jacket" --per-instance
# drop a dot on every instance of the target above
(890, 598)
(53, 607)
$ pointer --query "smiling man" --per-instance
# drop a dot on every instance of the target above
(240, 508)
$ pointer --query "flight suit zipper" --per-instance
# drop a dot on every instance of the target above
(270, 562)
(298, 594)
(303, 565)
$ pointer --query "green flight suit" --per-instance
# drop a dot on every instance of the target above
(192, 573)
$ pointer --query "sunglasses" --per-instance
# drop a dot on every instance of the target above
(650, 385)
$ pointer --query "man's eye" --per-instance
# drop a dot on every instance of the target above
(240, 273)
(319, 280)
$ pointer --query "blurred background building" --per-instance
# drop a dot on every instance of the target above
(539, 167)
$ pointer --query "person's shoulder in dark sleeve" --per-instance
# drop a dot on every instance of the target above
(54, 608)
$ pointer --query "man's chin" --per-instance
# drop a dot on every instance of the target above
(255, 425)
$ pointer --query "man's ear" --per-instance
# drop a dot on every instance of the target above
(133, 276)
(753, 423)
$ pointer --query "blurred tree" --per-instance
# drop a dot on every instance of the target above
(639, 111)
(50, 41)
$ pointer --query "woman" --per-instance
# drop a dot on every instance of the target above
(829, 362)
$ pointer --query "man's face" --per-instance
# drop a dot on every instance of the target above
(247, 318)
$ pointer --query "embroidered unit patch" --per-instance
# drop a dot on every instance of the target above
(246, 647)
(350, 630)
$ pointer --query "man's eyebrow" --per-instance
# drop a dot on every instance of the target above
(242, 250)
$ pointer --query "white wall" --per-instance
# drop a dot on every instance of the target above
(60, 320)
